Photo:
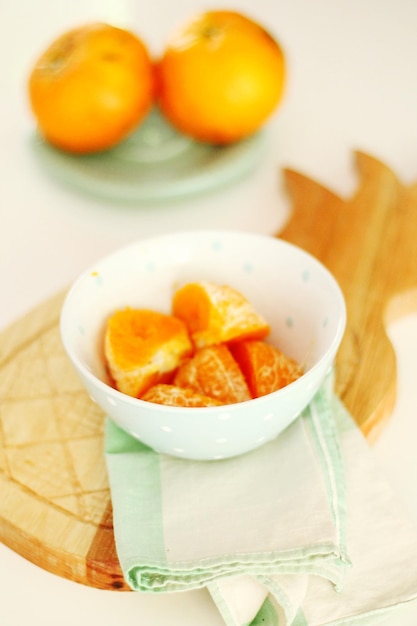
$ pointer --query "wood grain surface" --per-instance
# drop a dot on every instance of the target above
(55, 505)
(369, 244)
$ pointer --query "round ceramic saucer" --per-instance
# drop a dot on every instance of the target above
(155, 163)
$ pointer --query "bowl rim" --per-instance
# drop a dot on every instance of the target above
(191, 234)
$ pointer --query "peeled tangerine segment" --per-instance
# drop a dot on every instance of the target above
(265, 367)
(143, 347)
(213, 372)
(171, 395)
(217, 314)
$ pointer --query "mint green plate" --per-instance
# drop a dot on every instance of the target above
(156, 163)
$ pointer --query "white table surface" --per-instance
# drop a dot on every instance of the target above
(352, 85)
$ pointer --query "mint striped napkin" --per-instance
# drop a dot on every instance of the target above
(270, 533)
(382, 545)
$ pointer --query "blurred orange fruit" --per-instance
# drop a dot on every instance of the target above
(221, 76)
(266, 369)
(176, 396)
(213, 372)
(143, 347)
(217, 314)
(91, 88)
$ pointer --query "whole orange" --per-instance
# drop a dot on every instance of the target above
(220, 77)
(91, 87)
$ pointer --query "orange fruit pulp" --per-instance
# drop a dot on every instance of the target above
(220, 77)
(214, 372)
(209, 352)
(91, 88)
(171, 395)
(143, 348)
(217, 314)
(265, 368)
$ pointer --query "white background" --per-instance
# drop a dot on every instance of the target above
(352, 85)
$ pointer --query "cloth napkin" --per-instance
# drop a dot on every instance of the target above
(301, 531)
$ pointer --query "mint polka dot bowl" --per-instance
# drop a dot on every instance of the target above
(297, 295)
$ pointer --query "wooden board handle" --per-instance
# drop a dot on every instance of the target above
(369, 243)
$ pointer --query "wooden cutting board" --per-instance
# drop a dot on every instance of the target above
(55, 505)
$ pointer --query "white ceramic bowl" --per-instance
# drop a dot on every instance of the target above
(296, 294)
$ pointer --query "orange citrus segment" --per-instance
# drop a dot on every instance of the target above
(142, 347)
(172, 395)
(214, 372)
(265, 368)
(217, 314)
